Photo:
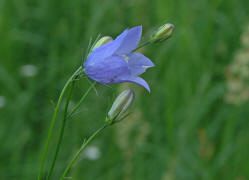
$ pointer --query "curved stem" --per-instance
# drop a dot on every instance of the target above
(81, 149)
(53, 120)
(64, 121)
(61, 130)
(82, 99)
(142, 45)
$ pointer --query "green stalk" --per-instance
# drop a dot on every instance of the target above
(53, 121)
(82, 99)
(142, 45)
(64, 121)
(81, 149)
(61, 130)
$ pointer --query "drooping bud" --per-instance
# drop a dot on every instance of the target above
(120, 106)
(164, 32)
(102, 41)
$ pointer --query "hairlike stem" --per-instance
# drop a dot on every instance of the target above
(142, 45)
(61, 131)
(81, 149)
(53, 120)
(81, 100)
(66, 116)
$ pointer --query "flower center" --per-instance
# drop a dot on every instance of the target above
(125, 57)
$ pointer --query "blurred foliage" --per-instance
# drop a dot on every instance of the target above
(183, 130)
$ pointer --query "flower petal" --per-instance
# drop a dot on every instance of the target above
(130, 41)
(138, 63)
(109, 70)
(106, 50)
(120, 38)
(140, 82)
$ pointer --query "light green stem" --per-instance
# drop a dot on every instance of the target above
(64, 121)
(142, 45)
(81, 149)
(53, 121)
(82, 99)
(61, 130)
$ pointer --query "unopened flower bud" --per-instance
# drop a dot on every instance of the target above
(164, 32)
(120, 106)
(102, 41)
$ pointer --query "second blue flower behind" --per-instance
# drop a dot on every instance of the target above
(115, 62)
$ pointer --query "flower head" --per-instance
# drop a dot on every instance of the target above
(115, 62)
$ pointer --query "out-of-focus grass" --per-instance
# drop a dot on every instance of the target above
(184, 129)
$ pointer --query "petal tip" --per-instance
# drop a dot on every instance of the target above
(141, 82)
(137, 29)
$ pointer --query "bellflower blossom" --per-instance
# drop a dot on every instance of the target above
(115, 62)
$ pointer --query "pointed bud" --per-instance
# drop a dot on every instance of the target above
(102, 41)
(120, 106)
(164, 32)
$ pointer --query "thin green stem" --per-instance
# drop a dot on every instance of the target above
(142, 45)
(82, 99)
(81, 149)
(61, 130)
(64, 121)
(53, 121)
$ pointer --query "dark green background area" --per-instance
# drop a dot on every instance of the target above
(183, 130)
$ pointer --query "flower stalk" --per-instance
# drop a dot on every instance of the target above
(61, 130)
(81, 100)
(100, 42)
(83, 146)
(51, 128)
(115, 114)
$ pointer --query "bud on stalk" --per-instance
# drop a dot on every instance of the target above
(164, 32)
(102, 41)
(120, 106)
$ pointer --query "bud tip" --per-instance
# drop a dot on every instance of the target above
(163, 32)
(102, 41)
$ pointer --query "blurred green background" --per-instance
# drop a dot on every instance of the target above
(194, 124)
